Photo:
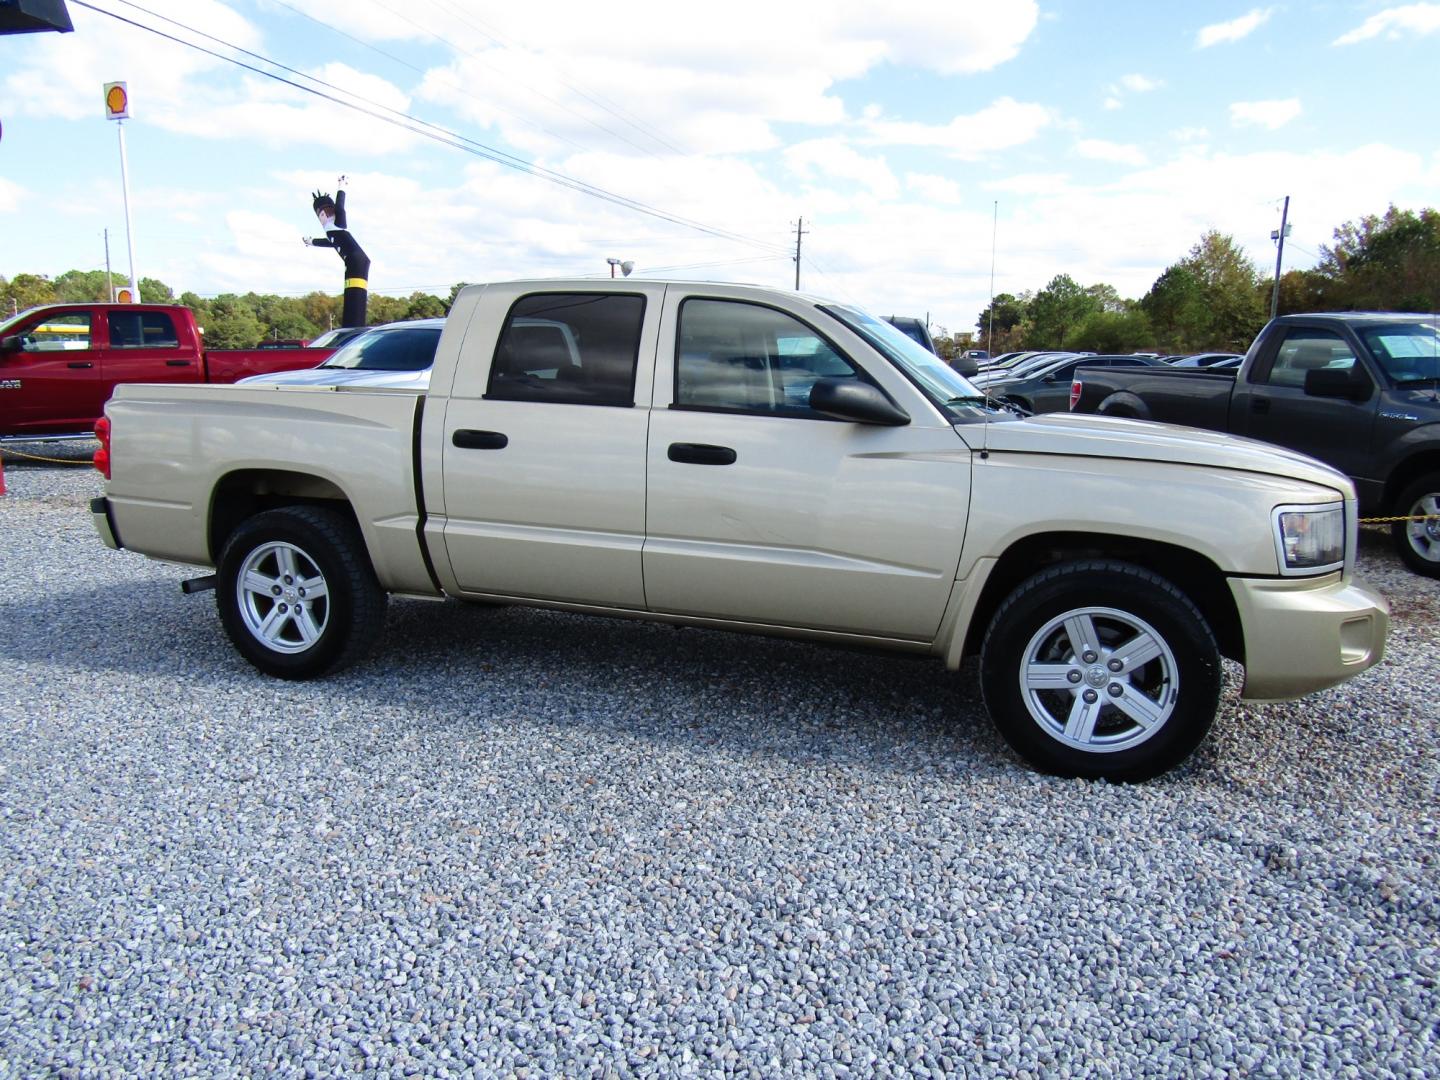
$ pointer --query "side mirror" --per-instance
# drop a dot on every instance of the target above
(967, 366)
(10, 343)
(851, 399)
(1348, 384)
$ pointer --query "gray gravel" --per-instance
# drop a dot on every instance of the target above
(533, 844)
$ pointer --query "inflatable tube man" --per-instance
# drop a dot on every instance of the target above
(331, 213)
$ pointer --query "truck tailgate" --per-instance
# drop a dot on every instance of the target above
(174, 447)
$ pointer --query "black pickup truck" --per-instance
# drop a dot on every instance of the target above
(1360, 392)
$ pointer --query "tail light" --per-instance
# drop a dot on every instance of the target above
(1075, 387)
(102, 456)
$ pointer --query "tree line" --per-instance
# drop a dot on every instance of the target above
(231, 320)
(1216, 299)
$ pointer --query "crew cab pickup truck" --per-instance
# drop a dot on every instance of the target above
(1358, 391)
(60, 363)
(753, 460)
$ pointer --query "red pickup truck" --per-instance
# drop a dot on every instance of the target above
(60, 363)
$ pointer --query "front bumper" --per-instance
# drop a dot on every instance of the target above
(104, 523)
(1304, 635)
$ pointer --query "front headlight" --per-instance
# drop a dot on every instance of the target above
(1310, 539)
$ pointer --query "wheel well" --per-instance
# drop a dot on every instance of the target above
(243, 494)
(1196, 576)
(1406, 473)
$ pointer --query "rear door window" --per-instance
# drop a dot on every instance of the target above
(569, 348)
(142, 330)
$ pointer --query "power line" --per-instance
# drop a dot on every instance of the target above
(417, 69)
(537, 93)
(595, 99)
(416, 126)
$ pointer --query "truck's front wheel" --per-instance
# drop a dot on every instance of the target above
(1100, 669)
(1418, 541)
(297, 594)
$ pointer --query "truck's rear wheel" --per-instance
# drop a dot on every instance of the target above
(1419, 541)
(297, 594)
(1100, 669)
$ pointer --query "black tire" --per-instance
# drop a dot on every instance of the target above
(1115, 604)
(1418, 542)
(288, 633)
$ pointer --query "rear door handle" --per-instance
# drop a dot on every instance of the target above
(79, 364)
(470, 439)
(1260, 405)
(177, 363)
(701, 454)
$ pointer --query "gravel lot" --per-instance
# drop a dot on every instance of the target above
(533, 844)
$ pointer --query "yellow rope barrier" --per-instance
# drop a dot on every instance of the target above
(49, 460)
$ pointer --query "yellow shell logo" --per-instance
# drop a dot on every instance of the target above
(117, 101)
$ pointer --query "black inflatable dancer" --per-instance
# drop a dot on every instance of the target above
(331, 213)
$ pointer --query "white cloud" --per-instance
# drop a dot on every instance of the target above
(1190, 134)
(1101, 150)
(1140, 84)
(835, 159)
(1129, 84)
(935, 189)
(1267, 114)
(61, 75)
(1234, 30)
(1395, 23)
(11, 195)
(998, 126)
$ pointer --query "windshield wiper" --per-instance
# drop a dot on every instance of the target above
(985, 401)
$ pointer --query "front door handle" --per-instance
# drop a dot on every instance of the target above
(79, 364)
(701, 454)
(470, 439)
(1260, 405)
(177, 363)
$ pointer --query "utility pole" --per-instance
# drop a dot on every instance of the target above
(800, 231)
(1279, 236)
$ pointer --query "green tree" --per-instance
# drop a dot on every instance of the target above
(1175, 306)
(1056, 310)
(454, 292)
(155, 291)
(232, 324)
(1387, 263)
(1009, 314)
(384, 309)
(1111, 332)
(82, 286)
(26, 291)
(1228, 285)
(424, 306)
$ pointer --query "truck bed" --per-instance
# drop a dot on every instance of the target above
(1194, 397)
(186, 441)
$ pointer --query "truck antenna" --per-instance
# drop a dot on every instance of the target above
(990, 331)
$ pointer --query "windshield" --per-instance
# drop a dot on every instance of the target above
(1409, 352)
(410, 348)
(945, 386)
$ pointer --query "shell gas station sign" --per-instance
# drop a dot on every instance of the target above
(117, 101)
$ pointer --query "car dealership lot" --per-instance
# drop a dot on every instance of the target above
(519, 840)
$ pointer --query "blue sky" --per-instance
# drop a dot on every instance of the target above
(1110, 135)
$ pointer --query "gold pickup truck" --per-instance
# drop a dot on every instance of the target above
(756, 460)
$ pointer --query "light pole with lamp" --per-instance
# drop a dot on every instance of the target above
(625, 267)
